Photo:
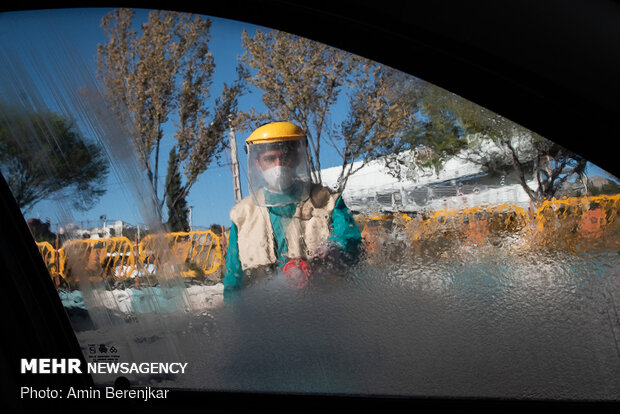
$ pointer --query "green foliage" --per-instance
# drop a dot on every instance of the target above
(609, 188)
(41, 231)
(42, 155)
(457, 127)
(175, 198)
(216, 229)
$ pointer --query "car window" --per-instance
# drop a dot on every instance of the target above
(488, 256)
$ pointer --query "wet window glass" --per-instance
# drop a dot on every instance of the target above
(282, 216)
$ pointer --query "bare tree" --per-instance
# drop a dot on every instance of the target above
(160, 75)
(302, 81)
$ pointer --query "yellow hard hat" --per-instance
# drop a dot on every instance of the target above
(276, 132)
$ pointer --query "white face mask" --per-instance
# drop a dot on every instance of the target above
(280, 178)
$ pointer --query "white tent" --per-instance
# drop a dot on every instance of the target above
(459, 184)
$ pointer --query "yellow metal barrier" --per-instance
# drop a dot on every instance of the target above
(103, 257)
(587, 213)
(199, 249)
(120, 258)
(55, 260)
(565, 219)
(203, 251)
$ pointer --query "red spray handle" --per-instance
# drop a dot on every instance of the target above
(298, 273)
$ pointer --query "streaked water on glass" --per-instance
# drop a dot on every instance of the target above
(520, 316)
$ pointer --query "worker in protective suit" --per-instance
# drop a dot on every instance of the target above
(287, 223)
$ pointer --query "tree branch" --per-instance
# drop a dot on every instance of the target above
(520, 172)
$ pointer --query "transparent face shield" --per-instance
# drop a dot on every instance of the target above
(278, 173)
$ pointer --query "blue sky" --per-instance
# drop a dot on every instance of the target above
(76, 33)
(79, 31)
